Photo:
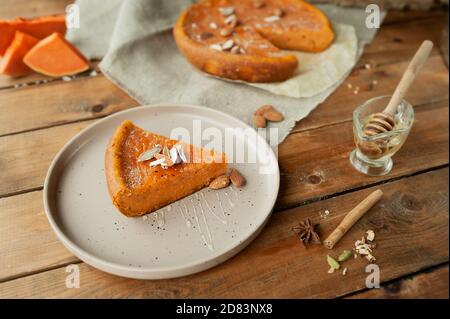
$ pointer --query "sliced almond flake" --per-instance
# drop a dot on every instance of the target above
(180, 150)
(227, 44)
(344, 271)
(148, 155)
(226, 11)
(157, 162)
(235, 49)
(174, 155)
(216, 47)
(213, 25)
(231, 20)
(241, 50)
(370, 258)
(331, 270)
(272, 19)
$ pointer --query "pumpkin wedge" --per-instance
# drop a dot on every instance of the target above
(55, 56)
(39, 28)
(12, 62)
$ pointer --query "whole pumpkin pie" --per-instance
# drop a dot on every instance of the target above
(142, 178)
(243, 39)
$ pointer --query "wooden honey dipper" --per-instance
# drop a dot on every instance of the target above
(384, 121)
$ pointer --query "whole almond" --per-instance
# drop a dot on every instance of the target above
(237, 179)
(264, 109)
(259, 121)
(220, 182)
(273, 116)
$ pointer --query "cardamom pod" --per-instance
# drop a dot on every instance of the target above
(333, 263)
(344, 255)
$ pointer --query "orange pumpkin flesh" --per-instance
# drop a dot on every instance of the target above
(38, 28)
(12, 63)
(55, 56)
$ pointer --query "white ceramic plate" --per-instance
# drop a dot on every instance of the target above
(191, 235)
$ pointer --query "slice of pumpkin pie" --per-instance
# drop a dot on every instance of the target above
(146, 171)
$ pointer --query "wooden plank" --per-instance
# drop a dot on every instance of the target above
(85, 98)
(10, 9)
(60, 102)
(410, 222)
(28, 101)
(402, 16)
(429, 284)
(7, 82)
(398, 42)
(315, 163)
(431, 85)
(27, 243)
(392, 43)
(27, 156)
(331, 168)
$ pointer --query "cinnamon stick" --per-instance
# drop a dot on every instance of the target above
(352, 217)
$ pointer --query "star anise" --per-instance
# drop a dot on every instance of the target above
(307, 232)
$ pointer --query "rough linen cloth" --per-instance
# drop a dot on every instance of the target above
(139, 55)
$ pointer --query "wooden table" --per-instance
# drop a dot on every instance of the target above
(411, 222)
